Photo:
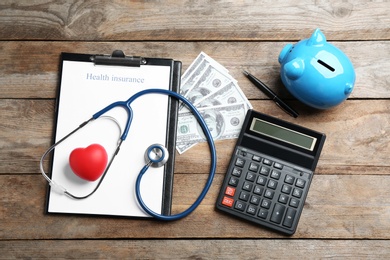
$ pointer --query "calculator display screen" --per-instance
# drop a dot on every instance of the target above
(283, 134)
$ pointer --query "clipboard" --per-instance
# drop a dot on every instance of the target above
(89, 82)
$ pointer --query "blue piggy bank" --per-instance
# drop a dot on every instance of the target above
(316, 72)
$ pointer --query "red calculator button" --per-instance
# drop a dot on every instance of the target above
(230, 191)
(227, 201)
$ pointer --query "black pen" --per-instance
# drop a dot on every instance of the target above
(271, 94)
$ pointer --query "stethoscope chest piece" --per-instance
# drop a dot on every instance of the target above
(156, 155)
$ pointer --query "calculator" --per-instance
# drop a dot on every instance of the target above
(270, 172)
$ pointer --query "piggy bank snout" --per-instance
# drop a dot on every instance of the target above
(286, 49)
(316, 72)
(294, 69)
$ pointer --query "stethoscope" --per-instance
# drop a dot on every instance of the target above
(156, 155)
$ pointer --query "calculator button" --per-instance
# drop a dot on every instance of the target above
(300, 183)
(267, 162)
(253, 167)
(247, 186)
(277, 213)
(233, 181)
(230, 191)
(266, 204)
(269, 194)
(240, 162)
(258, 190)
(251, 210)
(264, 170)
(264, 190)
(289, 218)
(283, 198)
(272, 184)
(286, 189)
(278, 165)
(250, 176)
(240, 205)
(256, 158)
(294, 203)
(261, 180)
(275, 174)
(289, 179)
(244, 196)
(227, 202)
(255, 200)
(236, 172)
(263, 213)
(297, 193)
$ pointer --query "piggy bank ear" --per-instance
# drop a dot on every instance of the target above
(294, 68)
(317, 38)
(284, 52)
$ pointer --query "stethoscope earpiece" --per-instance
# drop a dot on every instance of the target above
(156, 155)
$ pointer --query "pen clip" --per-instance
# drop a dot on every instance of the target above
(266, 90)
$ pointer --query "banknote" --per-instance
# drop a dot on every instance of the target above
(224, 122)
(209, 86)
(229, 94)
(193, 78)
(210, 82)
(198, 60)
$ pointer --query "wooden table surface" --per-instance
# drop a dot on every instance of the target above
(347, 212)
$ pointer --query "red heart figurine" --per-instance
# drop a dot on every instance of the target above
(88, 163)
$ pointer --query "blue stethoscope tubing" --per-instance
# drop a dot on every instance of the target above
(127, 106)
(213, 163)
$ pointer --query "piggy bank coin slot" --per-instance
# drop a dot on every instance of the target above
(326, 65)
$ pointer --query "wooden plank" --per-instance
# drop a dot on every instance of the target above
(347, 212)
(30, 69)
(338, 207)
(26, 127)
(200, 20)
(358, 137)
(196, 249)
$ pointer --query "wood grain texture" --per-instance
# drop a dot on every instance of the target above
(354, 131)
(347, 212)
(192, 20)
(30, 69)
(337, 207)
(196, 249)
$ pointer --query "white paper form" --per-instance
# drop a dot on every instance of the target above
(85, 90)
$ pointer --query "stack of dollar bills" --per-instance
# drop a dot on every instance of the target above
(217, 96)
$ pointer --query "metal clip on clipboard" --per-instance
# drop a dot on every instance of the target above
(118, 58)
(155, 154)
